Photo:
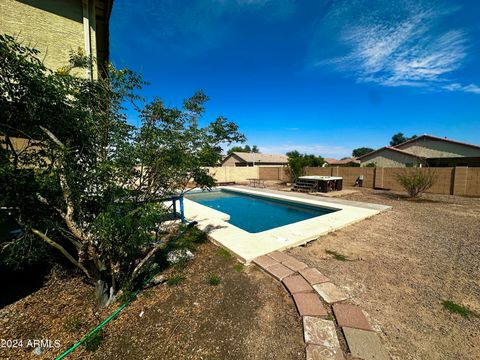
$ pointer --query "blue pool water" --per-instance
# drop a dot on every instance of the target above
(255, 213)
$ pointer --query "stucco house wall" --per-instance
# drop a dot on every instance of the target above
(249, 159)
(232, 161)
(431, 148)
(389, 158)
(55, 28)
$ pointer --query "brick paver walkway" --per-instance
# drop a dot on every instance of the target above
(309, 287)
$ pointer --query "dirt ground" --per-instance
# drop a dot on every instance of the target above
(247, 315)
(402, 263)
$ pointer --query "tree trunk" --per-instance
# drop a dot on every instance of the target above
(103, 293)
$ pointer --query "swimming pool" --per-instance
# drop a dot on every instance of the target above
(256, 213)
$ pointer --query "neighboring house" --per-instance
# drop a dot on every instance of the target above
(254, 159)
(21, 148)
(58, 27)
(344, 162)
(425, 150)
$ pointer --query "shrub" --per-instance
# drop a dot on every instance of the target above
(94, 341)
(73, 323)
(190, 239)
(126, 294)
(238, 267)
(457, 309)
(416, 181)
(187, 242)
(297, 162)
(181, 264)
(213, 279)
(224, 253)
(174, 280)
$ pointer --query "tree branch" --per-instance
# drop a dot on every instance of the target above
(152, 252)
(76, 230)
(44, 201)
(136, 271)
(52, 137)
(62, 250)
(68, 217)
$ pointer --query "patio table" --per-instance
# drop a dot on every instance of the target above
(257, 182)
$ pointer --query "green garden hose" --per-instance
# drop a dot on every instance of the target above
(85, 338)
(115, 313)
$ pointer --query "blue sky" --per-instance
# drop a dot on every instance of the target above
(322, 76)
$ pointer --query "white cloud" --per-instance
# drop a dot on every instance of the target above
(323, 150)
(472, 88)
(400, 46)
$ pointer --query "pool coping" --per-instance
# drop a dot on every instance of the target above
(247, 246)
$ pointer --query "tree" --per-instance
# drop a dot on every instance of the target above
(246, 149)
(297, 162)
(87, 183)
(361, 151)
(399, 138)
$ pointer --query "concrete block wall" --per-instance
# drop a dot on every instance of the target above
(463, 181)
(473, 182)
(242, 174)
(232, 173)
(319, 171)
(274, 173)
(349, 174)
(443, 184)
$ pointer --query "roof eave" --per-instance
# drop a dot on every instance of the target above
(392, 149)
(439, 139)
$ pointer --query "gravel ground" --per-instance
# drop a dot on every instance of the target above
(402, 263)
(248, 315)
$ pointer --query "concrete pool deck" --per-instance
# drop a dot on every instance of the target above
(247, 246)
